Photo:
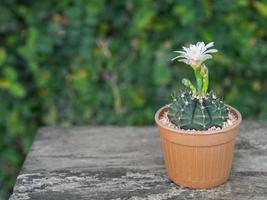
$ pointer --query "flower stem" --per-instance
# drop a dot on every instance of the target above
(198, 79)
(205, 76)
(202, 79)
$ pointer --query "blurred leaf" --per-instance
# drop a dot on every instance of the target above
(5, 83)
(17, 90)
(261, 7)
(137, 98)
(10, 73)
(143, 17)
(161, 72)
(185, 14)
(2, 56)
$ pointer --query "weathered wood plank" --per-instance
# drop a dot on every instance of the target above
(126, 163)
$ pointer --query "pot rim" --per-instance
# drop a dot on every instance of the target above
(200, 133)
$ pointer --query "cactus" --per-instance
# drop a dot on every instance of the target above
(190, 111)
(194, 107)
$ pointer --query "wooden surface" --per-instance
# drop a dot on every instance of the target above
(126, 163)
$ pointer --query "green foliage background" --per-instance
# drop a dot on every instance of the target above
(74, 62)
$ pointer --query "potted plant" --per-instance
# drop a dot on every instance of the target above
(198, 130)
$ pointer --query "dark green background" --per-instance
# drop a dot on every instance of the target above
(74, 62)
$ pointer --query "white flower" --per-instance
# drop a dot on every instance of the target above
(196, 54)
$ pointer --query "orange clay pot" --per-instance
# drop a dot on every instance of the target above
(200, 159)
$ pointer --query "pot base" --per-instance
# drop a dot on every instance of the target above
(199, 185)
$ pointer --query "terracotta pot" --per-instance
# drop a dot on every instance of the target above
(198, 159)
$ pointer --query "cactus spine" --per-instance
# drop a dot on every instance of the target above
(189, 111)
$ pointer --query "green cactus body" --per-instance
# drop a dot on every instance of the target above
(191, 111)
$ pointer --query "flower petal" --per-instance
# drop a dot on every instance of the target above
(211, 51)
(184, 60)
(206, 57)
(181, 52)
(211, 44)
